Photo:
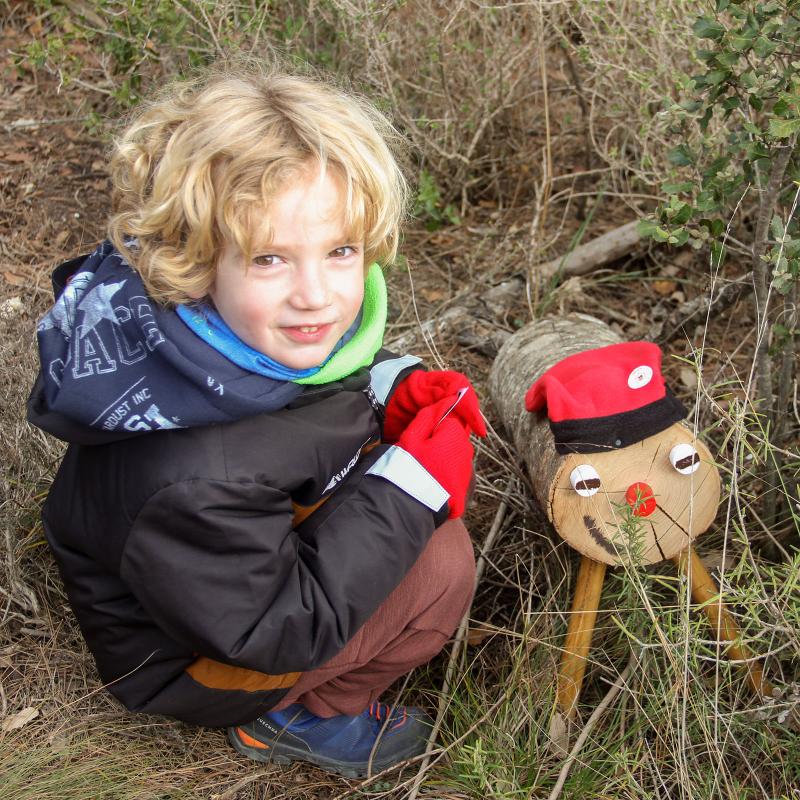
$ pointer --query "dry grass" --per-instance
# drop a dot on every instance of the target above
(529, 117)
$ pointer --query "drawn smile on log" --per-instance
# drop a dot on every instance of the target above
(594, 532)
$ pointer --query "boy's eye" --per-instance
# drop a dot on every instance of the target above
(342, 252)
(266, 261)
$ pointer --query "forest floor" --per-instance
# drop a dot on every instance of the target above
(64, 736)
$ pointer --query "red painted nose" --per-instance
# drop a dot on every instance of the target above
(640, 498)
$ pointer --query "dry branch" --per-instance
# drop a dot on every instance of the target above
(699, 307)
(595, 254)
(473, 320)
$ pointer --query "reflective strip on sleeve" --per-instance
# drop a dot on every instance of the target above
(383, 375)
(403, 470)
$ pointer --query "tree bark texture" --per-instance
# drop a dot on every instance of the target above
(524, 357)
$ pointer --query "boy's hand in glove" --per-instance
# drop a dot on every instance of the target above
(440, 442)
(424, 389)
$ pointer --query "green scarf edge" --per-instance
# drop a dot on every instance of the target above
(361, 349)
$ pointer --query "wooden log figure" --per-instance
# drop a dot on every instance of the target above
(622, 478)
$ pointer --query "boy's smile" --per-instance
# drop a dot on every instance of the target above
(303, 289)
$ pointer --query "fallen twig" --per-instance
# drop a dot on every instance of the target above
(700, 306)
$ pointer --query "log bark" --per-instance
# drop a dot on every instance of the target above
(523, 358)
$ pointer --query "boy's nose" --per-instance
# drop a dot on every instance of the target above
(311, 288)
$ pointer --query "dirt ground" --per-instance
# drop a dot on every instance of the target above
(55, 199)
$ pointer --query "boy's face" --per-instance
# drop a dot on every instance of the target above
(301, 291)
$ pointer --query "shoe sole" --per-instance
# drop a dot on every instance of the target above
(285, 754)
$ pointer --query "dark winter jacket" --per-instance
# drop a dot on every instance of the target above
(201, 581)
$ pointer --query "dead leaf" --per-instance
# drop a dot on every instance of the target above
(442, 239)
(62, 238)
(14, 279)
(688, 377)
(20, 719)
(478, 635)
(664, 288)
(17, 158)
(433, 295)
(9, 308)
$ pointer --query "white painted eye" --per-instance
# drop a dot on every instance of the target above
(684, 458)
(585, 480)
(640, 376)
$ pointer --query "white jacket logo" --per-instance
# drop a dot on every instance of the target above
(342, 473)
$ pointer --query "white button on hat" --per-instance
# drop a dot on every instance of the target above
(640, 376)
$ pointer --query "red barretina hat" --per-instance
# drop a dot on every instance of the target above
(606, 398)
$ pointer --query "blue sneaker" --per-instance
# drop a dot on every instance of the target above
(340, 744)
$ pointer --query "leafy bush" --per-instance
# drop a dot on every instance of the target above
(736, 185)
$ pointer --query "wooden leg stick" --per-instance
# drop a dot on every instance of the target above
(704, 589)
(579, 634)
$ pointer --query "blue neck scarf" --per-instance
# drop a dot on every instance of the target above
(206, 322)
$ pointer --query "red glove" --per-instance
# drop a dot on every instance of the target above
(443, 447)
(422, 389)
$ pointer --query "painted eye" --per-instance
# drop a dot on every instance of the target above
(585, 480)
(684, 458)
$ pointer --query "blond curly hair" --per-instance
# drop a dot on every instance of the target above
(197, 162)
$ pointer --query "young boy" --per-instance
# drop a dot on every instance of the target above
(257, 518)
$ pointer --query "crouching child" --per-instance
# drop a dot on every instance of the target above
(257, 519)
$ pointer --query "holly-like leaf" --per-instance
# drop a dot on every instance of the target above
(715, 76)
(708, 28)
(677, 188)
(683, 215)
(661, 235)
(680, 156)
(783, 128)
(20, 719)
(728, 58)
(646, 227)
(741, 42)
(679, 237)
(776, 226)
(763, 46)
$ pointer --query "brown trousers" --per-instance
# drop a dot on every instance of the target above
(408, 629)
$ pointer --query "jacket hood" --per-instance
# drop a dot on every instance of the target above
(115, 364)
